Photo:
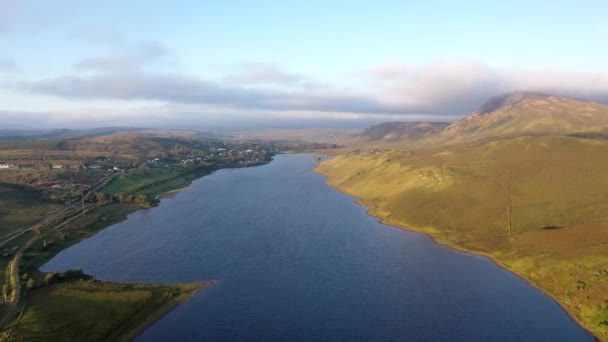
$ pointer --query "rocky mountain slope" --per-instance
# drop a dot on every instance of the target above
(401, 131)
(528, 114)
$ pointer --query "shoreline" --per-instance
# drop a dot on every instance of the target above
(384, 220)
(164, 310)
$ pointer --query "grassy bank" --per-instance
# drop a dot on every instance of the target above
(533, 205)
(88, 310)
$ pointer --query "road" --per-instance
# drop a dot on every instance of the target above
(10, 311)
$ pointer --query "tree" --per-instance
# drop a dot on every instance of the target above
(50, 278)
(101, 197)
(143, 169)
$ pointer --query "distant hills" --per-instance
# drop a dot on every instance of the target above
(399, 131)
(507, 116)
(42, 134)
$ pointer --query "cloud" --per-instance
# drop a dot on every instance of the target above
(100, 37)
(8, 65)
(172, 88)
(153, 49)
(264, 73)
(439, 90)
(459, 87)
(388, 70)
(110, 63)
(129, 57)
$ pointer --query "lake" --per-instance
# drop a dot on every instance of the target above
(296, 260)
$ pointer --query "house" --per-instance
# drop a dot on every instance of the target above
(57, 166)
(94, 166)
(4, 166)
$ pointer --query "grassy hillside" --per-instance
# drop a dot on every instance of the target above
(534, 204)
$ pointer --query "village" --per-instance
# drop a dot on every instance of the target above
(71, 169)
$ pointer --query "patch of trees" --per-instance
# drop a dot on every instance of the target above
(58, 277)
(121, 197)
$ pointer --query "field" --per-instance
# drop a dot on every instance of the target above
(87, 310)
(533, 204)
(20, 206)
(131, 182)
(156, 180)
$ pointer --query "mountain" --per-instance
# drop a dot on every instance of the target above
(401, 131)
(529, 114)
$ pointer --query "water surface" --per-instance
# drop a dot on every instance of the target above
(297, 260)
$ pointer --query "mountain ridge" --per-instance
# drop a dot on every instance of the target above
(528, 113)
(401, 131)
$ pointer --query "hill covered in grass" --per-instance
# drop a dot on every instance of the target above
(520, 181)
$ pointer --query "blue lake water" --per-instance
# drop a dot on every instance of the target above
(296, 260)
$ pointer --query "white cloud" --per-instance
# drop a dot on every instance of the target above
(460, 86)
(263, 74)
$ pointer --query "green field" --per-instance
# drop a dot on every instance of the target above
(88, 310)
(536, 205)
(156, 180)
(131, 182)
(20, 207)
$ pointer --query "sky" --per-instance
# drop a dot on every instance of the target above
(206, 64)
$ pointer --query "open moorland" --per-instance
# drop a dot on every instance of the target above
(533, 201)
